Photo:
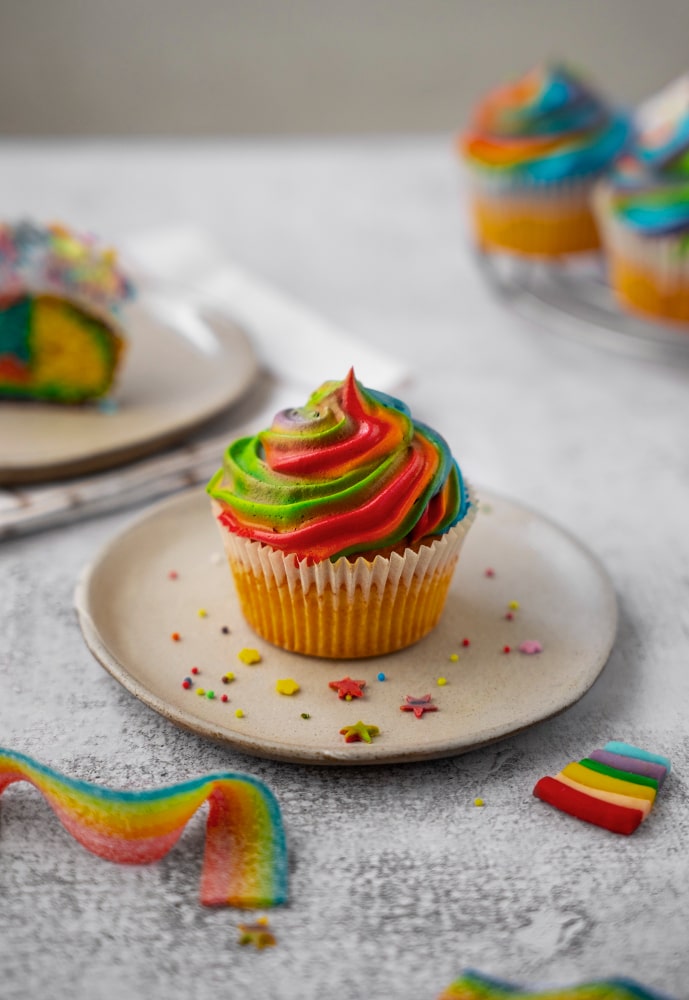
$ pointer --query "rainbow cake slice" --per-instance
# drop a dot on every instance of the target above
(614, 787)
(475, 986)
(61, 338)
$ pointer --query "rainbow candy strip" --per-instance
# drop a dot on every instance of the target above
(614, 788)
(475, 986)
(245, 861)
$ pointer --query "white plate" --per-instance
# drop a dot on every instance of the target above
(573, 298)
(129, 607)
(180, 369)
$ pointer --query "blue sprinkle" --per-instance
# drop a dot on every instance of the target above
(381, 677)
(108, 406)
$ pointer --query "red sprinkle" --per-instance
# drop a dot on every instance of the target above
(507, 649)
(490, 572)
(509, 616)
(186, 685)
(173, 574)
(465, 642)
(195, 670)
(224, 698)
(175, 636)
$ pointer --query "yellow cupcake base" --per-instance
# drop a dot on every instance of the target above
(543, 227)
(336, 625)
(640, 289)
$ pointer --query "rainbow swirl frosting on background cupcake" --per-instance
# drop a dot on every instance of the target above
(546, 128)
(649, 188)
(533, 149)
(342, 523)
(350, 472)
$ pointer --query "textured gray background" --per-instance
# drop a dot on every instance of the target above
(397, 882)
(326, 66)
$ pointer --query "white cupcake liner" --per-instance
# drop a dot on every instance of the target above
(575, 190)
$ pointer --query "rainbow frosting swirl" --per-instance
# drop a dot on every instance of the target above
(545, 128)
(348, 473)
(475, 986)
(245, 862)
(649, 189)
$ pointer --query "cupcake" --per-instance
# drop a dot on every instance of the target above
(534, 150)
(61, 340)
(643, 210)
(342, 524)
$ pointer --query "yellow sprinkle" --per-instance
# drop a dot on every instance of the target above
(239, 714)
(249, 656)
(479, 802)
(513, 605)
(454, 657)
(442, 681)
(203, 613)
(287, 686)
(348, 697)
(228, 677)
(200, 692)
(263, 921)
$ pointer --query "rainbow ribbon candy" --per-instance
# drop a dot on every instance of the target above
(245, 860)
(475, 986)
(614, 787)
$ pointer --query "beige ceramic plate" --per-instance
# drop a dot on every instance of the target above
(180, 369)
(129, 607)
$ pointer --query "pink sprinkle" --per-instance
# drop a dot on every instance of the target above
(172, 575)
(509, 616)
(490, 572)
(531, 646)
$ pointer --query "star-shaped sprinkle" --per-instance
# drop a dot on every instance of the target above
(257, 934)
(347, 688)
(418, 705)
(359, 733)
(531, 646)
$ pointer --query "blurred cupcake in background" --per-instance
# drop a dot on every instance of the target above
(643, 210)
(534, 150)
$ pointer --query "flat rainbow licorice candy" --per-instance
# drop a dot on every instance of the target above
(475, 986)
(245, 861)
(614, 787)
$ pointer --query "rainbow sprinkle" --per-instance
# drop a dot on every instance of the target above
(245, 861)
(475, 986)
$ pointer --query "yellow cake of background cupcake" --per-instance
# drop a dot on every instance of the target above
(533, 151)
(61, 339)
(643, 210)
(342, 524)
